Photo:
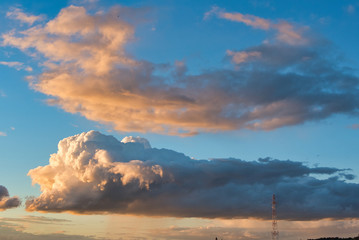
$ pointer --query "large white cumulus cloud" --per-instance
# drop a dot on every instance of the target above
(289, 80)
(93, 173)
(6, 201)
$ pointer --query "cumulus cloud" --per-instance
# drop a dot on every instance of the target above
(6, 201)
(95, 173)
(289, 81)
(18, 14)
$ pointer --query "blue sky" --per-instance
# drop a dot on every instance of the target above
(182, 47)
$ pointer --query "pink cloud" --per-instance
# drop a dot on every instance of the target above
(18, 14)
(286, 32)
(86, 70)
(242, 56)
(250, 20)
(17, 65)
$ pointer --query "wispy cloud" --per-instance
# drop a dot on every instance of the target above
(6, 201)
(249, 229)
(36, 219)
(350, 9)
(17, 65)
(88, 71)
(18, 14)
(210, 232)
(3, 134)
(7, 232)
(2, 93)
(239, 57)
(286, 32)
(95, 173)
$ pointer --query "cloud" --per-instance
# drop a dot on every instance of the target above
(286, 32)
(250, 20)
(36, 219)
(247, 229)
(8, 234)
(240, 57)
(350, 9)
(6, 201)
(88, 71)
(204, 233)
(2, 93)
(18, 14)
(3, 134)
(95, 173)
(17, 65)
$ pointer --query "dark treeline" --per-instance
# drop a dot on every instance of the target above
(337, 238)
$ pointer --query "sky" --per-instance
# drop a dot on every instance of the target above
(178, 119)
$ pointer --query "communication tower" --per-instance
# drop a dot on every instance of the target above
(275, 232)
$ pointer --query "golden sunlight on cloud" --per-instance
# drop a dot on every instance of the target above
(87, 70)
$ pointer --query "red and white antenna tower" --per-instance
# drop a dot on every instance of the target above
(275, 232)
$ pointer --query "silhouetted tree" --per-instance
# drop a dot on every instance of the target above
(337, 238)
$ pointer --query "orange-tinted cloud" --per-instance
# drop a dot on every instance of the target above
(247, 19)
(18, 14)
(88, 71)
(286, 32)
(6, 201)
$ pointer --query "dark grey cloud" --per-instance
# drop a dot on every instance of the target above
(6, 201)
(95, 173)
(285, 85)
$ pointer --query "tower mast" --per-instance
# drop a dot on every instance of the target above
(275, 232)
